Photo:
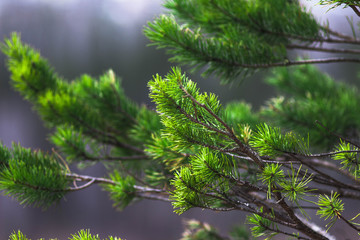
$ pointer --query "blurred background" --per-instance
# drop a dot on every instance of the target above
(92, 36)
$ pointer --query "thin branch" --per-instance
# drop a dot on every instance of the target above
(230, 133)
(337, 34)
(328, 177)
(334, 167)
(144, 192)
(76, 188)
(345, 39)
(332, 153)
(321, 49)
(301, 226)
(297, 62)
(349, 223)
(285, 233)
(355, 9)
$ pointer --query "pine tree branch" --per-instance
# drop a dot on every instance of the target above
(287, 63)
(144, 192)
(287, 222)
(337, 34)
(345, 39)
(321, 49)
(301, 226)
(283, 232)
(334, 167)
(330, 153)
(230, 133)
(349, 223)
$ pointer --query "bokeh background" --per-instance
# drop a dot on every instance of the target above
(92, 36)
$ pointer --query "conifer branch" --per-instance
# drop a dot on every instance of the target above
(144, 192)
(349, 223)
(287, 63)
(321, 49)
(300, 225)
(334, 167)
(230, 133)
(345, 39)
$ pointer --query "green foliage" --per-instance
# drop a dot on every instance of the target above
(180, 105)
(270, 141)
(33, 178)
(230, 38)
(240, 232)
(190, 191)
(271, 175)
(122, 192)
(295, 189)
(161, 149)
(81, 235)
(195, 230)
(18, 236)
(73, 143)
(86, 235)
(31, 74)
(349, 160)
(240, 113)
(330, 207)
(314, 96)
(263, 226)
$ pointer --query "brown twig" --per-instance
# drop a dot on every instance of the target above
(355, 9)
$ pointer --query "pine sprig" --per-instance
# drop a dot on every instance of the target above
(31, 74)
(224, 58)
(186, 121)
(270, 141)
(349, 160)
(81, 235)
(33, 178)
(86, 235)
(122, 192)
(330, 207)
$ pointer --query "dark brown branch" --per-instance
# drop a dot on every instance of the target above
(355, 9)
(334, 167)
(298, 62)
(301, 226)
(328, 177)
(349, 223)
